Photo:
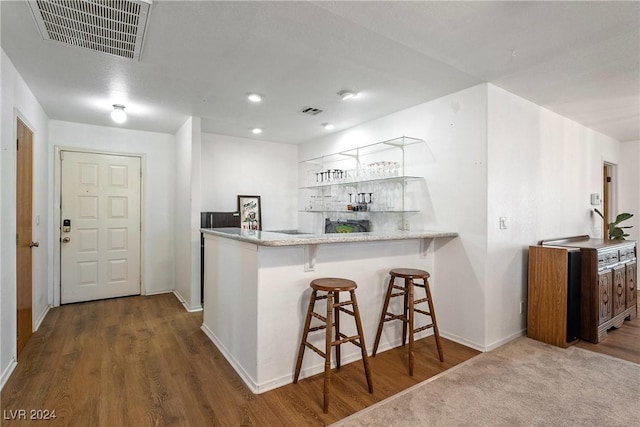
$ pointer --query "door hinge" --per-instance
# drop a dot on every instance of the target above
(17, 239)
(608, 179)
(62, 155)
(17, 144)
(140, 173)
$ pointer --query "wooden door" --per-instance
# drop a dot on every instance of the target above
(619, 290)
(630, 278)
(100, 230)
(605, 280)
(24, 244)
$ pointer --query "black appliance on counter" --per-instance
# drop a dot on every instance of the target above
(214, 220)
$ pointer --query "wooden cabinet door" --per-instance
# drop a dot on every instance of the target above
(630, 278)
(618, 295)
(605, 279)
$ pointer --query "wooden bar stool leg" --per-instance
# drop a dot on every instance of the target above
(327, 359)
(305, 334)
(409, 285)
(336, 320)
(436, 333)
(363, 347)
(385, 307)
(405, 308)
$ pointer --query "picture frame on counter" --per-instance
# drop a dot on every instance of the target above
(250, 212)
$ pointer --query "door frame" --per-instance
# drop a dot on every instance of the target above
(57, 207)
(609, 194)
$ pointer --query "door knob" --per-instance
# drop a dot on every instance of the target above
(32, 244)
(66, 239)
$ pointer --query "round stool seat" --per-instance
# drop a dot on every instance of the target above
(332, 284)
(409, 273)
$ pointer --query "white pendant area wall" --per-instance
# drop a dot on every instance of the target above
(454, 167)
(17, 100)
(233, 166)
(158, 187)
(492, 154)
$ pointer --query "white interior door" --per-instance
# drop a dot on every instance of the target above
(100, 226)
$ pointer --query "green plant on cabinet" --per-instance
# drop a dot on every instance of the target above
(616, 232)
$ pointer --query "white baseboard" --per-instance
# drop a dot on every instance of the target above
(480, 347)
(463, 341)
(234, 363)
(184, 303)
(167, 291)
(7, 372)
(41, 318)
(505, 340)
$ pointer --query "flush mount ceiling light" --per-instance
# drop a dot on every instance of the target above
(256, 131)
(328, 126)
(118, 114)
(254, 97)
(347, 94)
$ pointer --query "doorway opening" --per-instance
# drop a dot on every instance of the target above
(99, 254)
(609, 186)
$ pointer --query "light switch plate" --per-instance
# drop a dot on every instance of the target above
(595, 199)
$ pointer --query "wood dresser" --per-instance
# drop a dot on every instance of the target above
(605, 272)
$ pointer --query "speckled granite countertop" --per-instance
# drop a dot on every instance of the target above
(270, 238)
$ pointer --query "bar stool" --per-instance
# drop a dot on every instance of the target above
(409, 309)
(331, 288)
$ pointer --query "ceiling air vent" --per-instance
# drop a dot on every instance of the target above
(115, 27)
(311, 111)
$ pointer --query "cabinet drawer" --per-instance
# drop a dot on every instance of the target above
(607, 258)
(628, 253)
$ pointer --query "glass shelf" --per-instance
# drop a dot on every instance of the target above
(390, 179)
(354, 212)
(366, 150)
(375, 173)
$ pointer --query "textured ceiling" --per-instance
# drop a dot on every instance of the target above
(580, 59)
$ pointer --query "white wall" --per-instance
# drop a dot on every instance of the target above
(491, 154)
(629, 179)
(158, 184)
(454, 164)
(187, 213)
(542, 170)
(232, 166)
(18, 101)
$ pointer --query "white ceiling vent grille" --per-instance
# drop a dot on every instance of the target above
(115, 27)
(311, 111)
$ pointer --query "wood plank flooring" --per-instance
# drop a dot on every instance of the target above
(623, 343)
(143, 361)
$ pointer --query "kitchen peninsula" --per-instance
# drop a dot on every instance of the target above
(256, 292)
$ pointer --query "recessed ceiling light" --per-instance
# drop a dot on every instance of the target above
(347, 94)
(256, 131)
(118, 114)
(328, 126)
(254, 97)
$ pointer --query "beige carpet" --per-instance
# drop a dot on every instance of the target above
(523, 383)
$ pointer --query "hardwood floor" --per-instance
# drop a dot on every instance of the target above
(623, 343)
(143, 361)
